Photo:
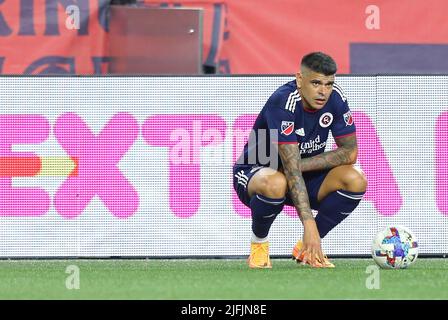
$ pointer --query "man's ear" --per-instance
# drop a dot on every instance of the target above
(299, 79)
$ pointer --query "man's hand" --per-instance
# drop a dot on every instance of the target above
(290, 156)
(311, 243)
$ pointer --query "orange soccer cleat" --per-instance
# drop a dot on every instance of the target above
(259, 256)
(316, 263)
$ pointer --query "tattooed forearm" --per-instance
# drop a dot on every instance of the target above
(346, 153)
(290, 156)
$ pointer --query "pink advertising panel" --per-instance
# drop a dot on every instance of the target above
(142, 166)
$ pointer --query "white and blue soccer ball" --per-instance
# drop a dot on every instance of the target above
(394, 247)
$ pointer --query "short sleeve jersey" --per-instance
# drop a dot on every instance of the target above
(283, 119)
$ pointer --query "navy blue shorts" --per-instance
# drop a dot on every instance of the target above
(243, 173)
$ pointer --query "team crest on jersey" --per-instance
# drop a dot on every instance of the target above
(326, 119)
(348, 118)
(287, 127)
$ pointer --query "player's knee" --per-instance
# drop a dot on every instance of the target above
(355, 180)
(274, 185)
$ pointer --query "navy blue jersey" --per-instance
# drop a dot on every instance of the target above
(283, 119)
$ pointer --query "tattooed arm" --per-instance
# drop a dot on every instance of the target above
(290, 156)
(346, 153)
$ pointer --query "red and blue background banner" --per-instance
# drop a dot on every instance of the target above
(239, 37)
(35, 39)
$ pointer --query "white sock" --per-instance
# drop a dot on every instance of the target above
(255, 239)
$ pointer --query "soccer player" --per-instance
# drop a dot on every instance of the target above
(284, 162)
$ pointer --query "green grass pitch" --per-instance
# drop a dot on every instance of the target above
(218, 279)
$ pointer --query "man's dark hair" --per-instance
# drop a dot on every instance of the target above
(319, 62)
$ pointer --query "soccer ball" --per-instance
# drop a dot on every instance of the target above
(394, 247)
